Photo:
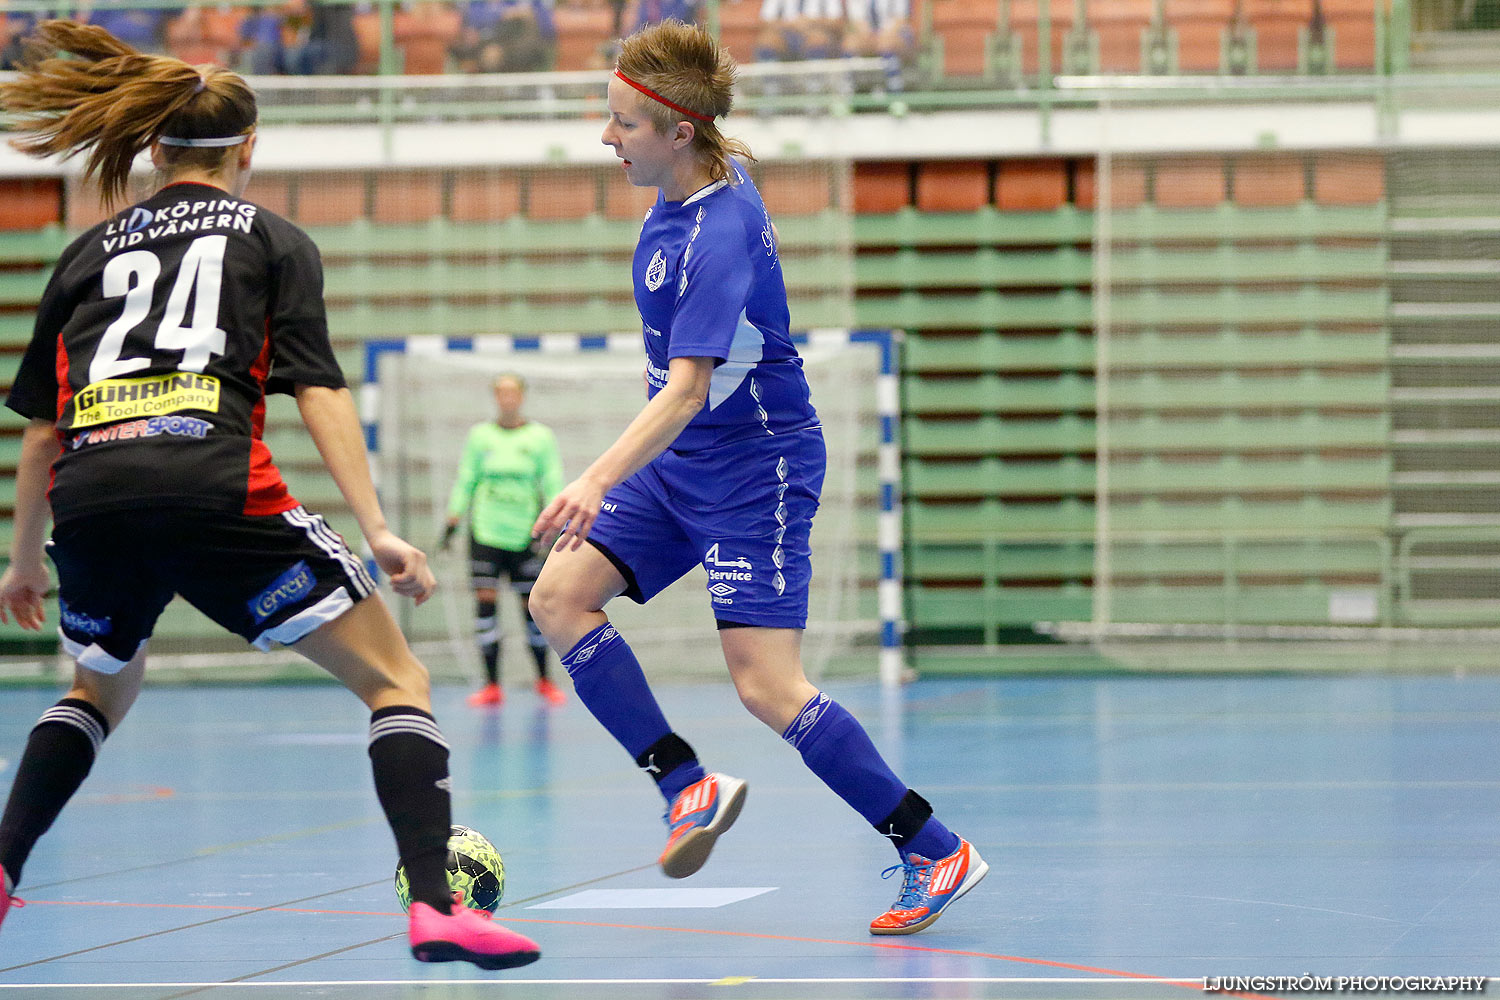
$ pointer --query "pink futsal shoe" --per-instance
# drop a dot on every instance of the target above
(928, 887)
(6, 899)
(699, 814)
(466, 935)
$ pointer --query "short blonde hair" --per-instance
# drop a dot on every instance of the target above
(684, 64)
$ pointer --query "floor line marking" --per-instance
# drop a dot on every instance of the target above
(777, 981)
(239, 980)
(208, 852)
(183, 927)
(388, 937)
(751, 935)
(878, 945)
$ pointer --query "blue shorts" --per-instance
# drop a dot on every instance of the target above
(743, 512)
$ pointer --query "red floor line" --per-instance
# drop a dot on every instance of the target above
(881, 945)
(213, 906)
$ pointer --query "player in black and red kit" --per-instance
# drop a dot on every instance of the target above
(156, 341)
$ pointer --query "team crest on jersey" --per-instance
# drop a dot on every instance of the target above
(656, 271)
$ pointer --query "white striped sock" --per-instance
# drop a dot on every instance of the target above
(79, 719)
(415, 725)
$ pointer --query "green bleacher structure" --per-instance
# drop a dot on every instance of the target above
(1248, 386)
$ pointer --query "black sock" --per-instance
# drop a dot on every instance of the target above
(487, 635)
(410, 759)
(537, 641)
(672, 763)
(59, 754)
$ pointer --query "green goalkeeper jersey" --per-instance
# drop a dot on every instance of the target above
(505, 478)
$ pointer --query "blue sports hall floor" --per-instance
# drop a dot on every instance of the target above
(1143, 833)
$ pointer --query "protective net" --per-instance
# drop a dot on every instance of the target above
(1295, 377)
(428, 397)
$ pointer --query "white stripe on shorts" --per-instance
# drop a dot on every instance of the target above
(305, 621)
(93, 656)
(416, 725)
(325, 538)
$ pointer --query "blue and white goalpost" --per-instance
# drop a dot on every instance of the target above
(421, 394)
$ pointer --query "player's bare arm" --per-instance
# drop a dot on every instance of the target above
(571, 513)
(26, 581)
(333, 422)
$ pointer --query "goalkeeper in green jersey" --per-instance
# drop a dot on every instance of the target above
(510, 470)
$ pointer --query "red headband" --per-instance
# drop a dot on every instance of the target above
(660, 99)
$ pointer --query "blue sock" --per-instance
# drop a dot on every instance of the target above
(933, 841)
(608, 680)
(837, 749)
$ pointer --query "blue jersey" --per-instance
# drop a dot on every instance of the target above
(708, 283)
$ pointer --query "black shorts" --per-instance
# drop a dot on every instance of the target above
(269, 579)
(487, 564)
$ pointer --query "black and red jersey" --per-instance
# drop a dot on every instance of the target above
(156, 341)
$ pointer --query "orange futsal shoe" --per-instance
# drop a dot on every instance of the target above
(699, 814)
(490, 694)
(928, 887)
(549, 692)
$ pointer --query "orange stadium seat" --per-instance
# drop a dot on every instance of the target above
(739, 25)
(1024, 21)
(1265, 181)
(881, 187)
(367, 41)
(1120, 25)
(583, 27)
(1353, 23)
(408, 196)
(964, 26)
(1354, 179)
(1127, 187)
(953, 185)
(1199, 25)
(485, 196)
(271, 191)
(424, 32)
(82, 207)
(1085, 180)
(794, 189)
(1278, 25)
(30, 203)
(623, 200)
(202, 35)
(329, 199)
(1190, 182)
(566, 193)
(1031, 185)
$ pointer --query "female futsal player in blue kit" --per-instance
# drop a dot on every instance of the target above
(723, 466)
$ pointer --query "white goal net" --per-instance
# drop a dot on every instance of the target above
(422, 397)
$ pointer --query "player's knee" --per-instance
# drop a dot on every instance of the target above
(770, 702)
(549, 603)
